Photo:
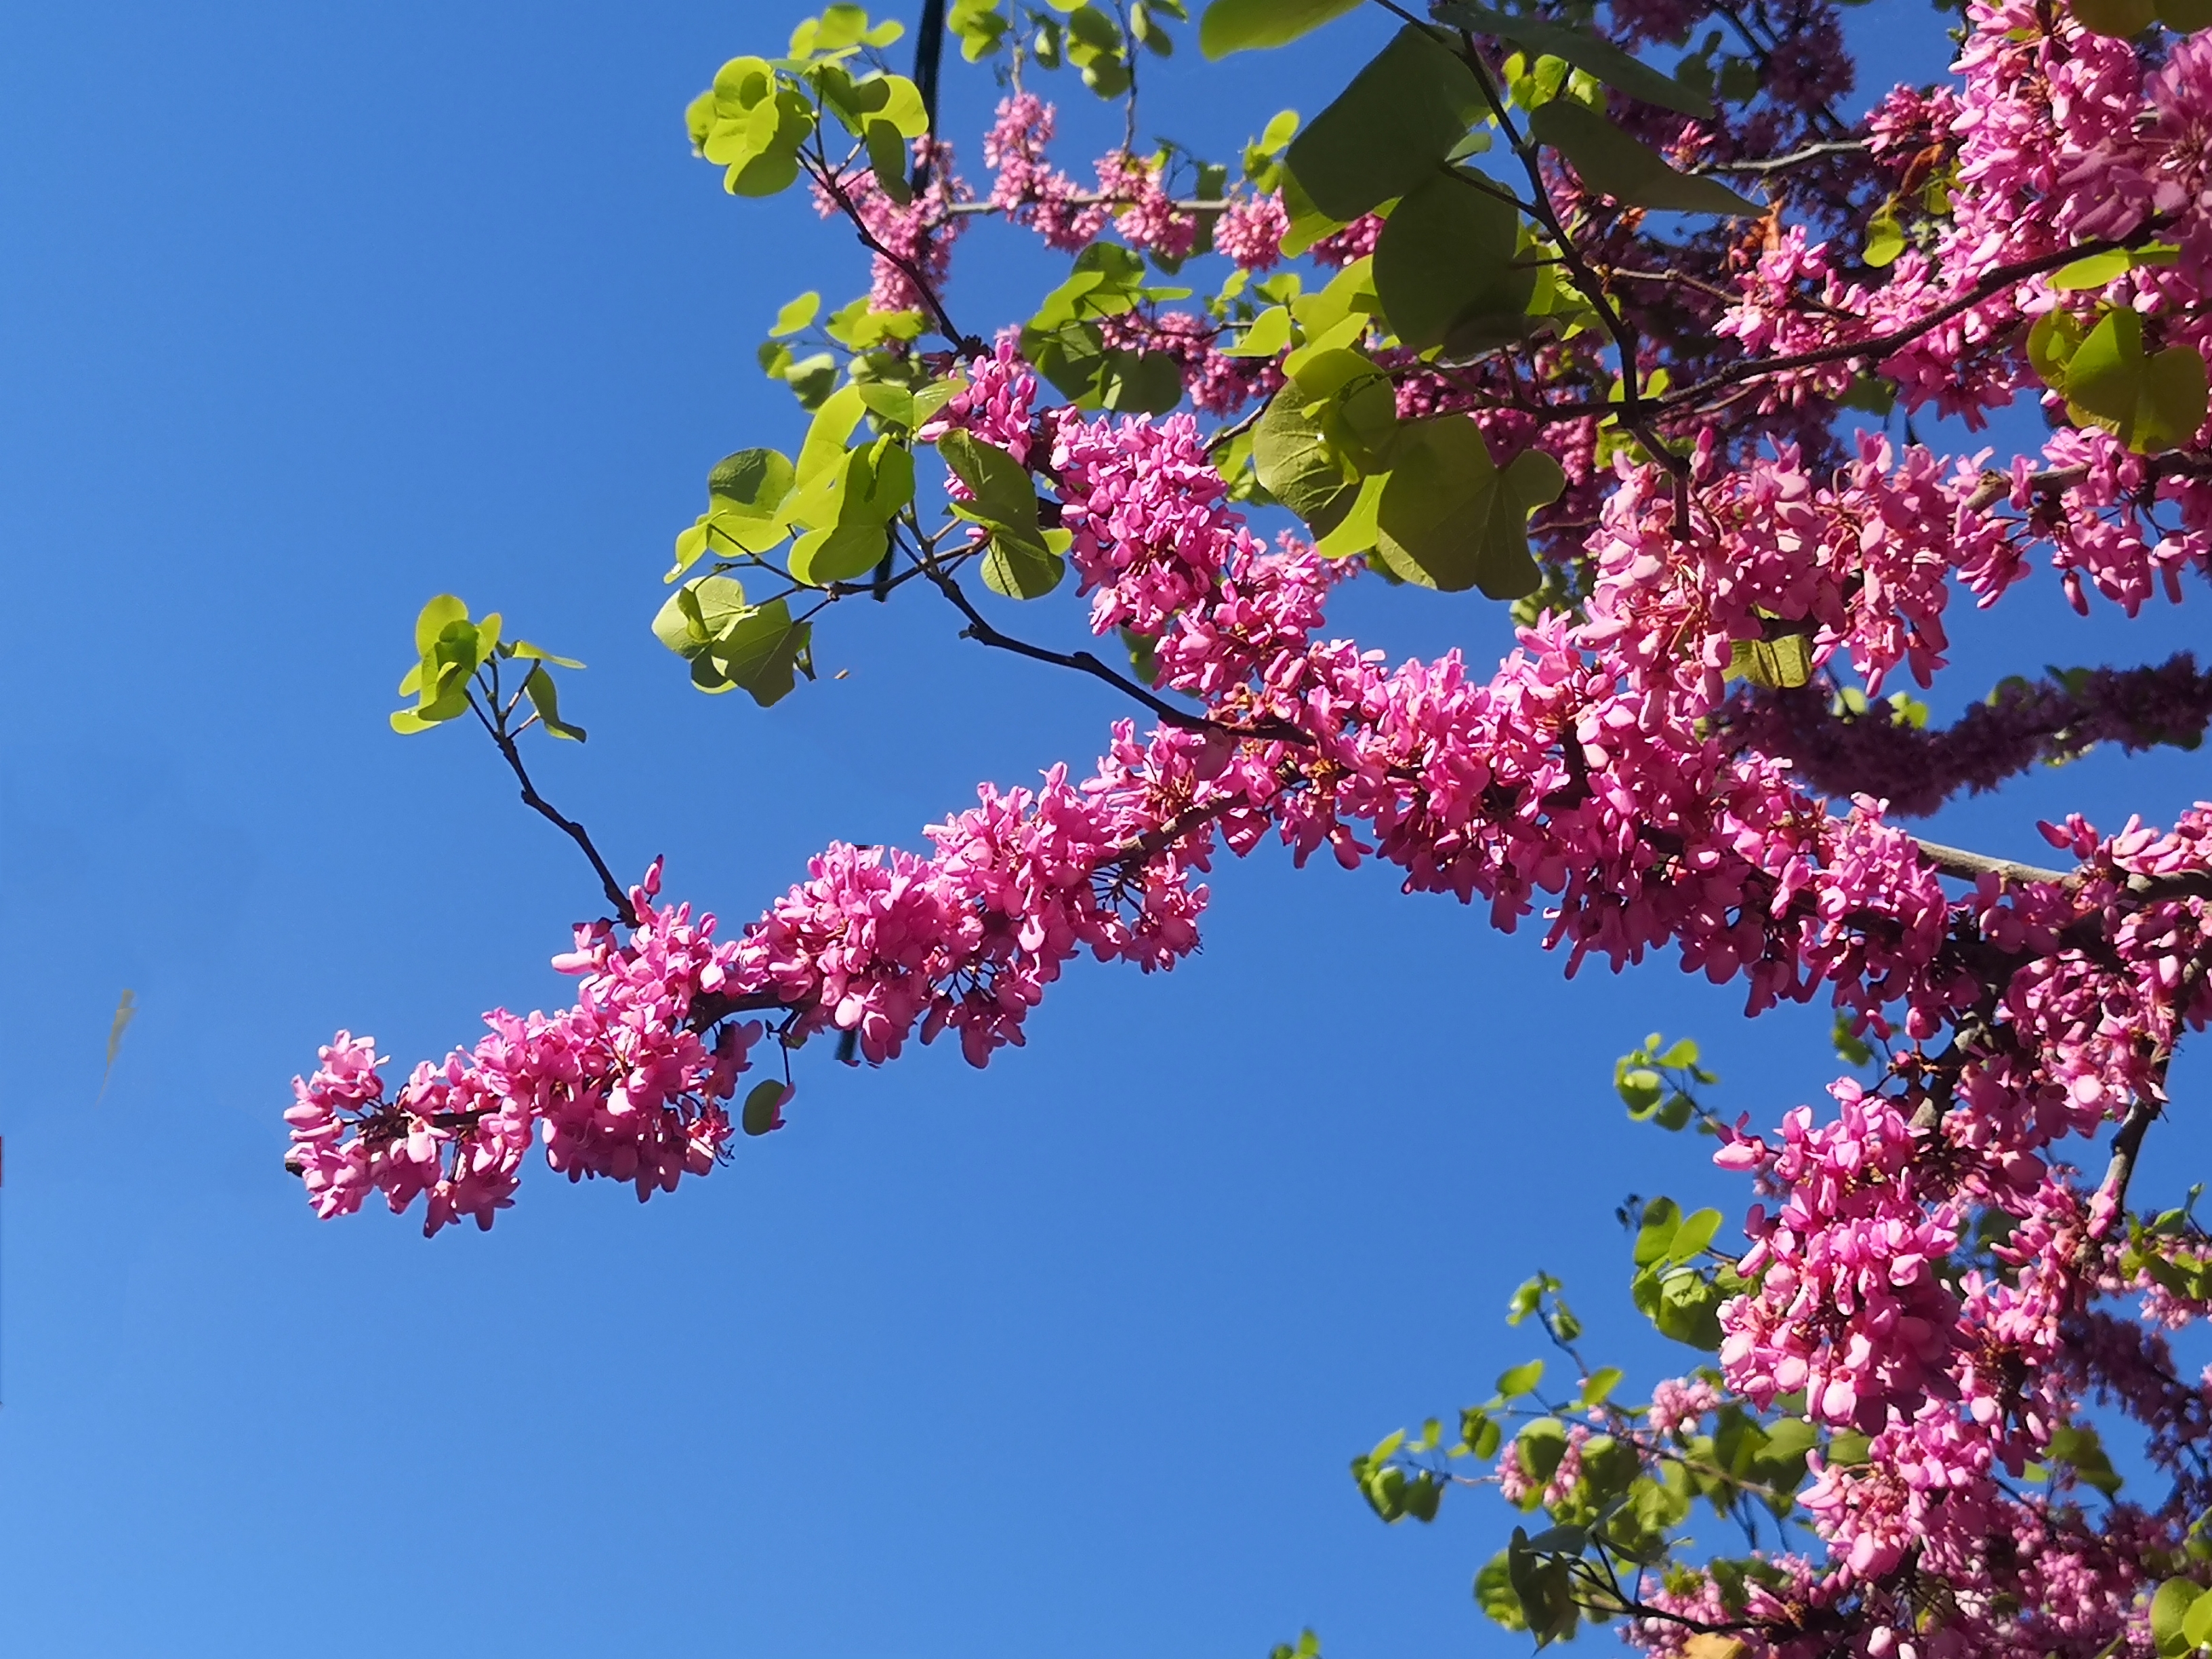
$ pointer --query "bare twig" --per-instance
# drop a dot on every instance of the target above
(545, 809)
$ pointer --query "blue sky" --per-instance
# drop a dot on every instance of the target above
(307, 314)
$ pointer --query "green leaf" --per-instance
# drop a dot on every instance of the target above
(1015, 571)
(1268, 335)
(2052, 344)
(696, 612)
(1297, 465)
(1446, 254)
(2096, 271)
(842, 552)
(1024, 562)
(1660, 1218)
(1522, 1379)
(761, 652)
(887, 159)
(763, 1108)
(2121, 19)
(1478, 1433)
(1457, 521)
(1140, 383)
(1248, 25)
(828, 433)
(1538, 1447)
(1786, 661)
(2185, 16)
(433, 620)
(1591, 53)
(1695, 1232)
(529, 653)
(2197, 1624)
(2169, 1615)
(1357, 531)
(1495, 1595)
(538, 685)
(1625, 168)
(2149, 404)
(750, 483)
(1389, 129)
(796, 314)
(1884, 239)
(1599, 1385)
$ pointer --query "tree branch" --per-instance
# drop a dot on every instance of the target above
(979, 629)
(545, 809)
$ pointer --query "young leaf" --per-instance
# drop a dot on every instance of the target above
(538, 685)
(1522, 1379)
(796, 314)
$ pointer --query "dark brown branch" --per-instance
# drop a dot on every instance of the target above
(545, 809)
(979, 629)
(2127, 1144)
(967, 344)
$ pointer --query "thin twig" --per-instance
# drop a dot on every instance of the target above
(545, 809)
(979, 629)
(1795, 158)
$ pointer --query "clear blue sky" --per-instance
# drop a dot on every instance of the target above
(308, 313)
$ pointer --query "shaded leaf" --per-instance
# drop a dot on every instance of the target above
(1625, 168)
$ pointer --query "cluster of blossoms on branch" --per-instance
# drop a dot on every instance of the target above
(1934, 1293)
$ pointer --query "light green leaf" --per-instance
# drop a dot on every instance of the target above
(529, 653)
(1591, 53)
(546, 699)
(1598, 1385)
(1231, 26)
(1450, 515)
(762, 651)
(433, 619)
(830, 432)
(2196, 1623)
(1298, 467)
(1661, 1216)
(750, 483)
(1522, 1379)
(2149, 404)
(2097, 270)
(1692, 1235)
(840, 552)
(2169, 1615)
(1268, 335)
(887, 159)
(796, 314)
(697, 611)
(1389, 129)
(1356, 531)
(1784, 662)
(1626, 169)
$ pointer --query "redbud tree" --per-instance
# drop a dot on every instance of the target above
(1604, 310)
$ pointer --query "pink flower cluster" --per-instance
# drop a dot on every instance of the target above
(623, 1085)
(916, 238)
